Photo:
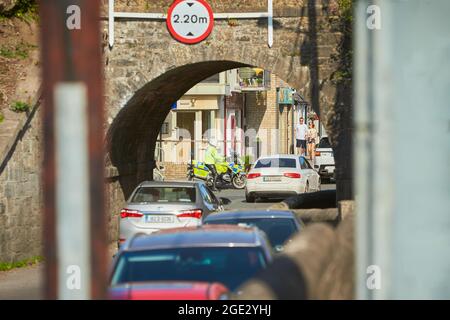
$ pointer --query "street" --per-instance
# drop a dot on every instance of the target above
(26, 283)
(238, 199)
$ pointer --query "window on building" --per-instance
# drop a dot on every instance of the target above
(206, 121)
(254, 78)
(165, 128)
(213, 79)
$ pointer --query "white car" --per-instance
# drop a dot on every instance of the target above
(324, 159)
(280, 176)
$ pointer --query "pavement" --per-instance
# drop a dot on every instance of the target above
(22, 283)
(26, 283)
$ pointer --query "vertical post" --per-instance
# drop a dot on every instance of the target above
(197, 133)
(270, 23)
(74, 221)
(402, 201)
(111, 23)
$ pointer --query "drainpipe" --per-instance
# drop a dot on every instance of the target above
(225, 126)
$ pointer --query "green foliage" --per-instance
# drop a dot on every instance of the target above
(20, 106)
(24, 9)
(344, 55)
(21, 51)
(5, 266)
(2, 117)
(346, 10)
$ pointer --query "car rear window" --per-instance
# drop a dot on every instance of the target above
(278, 230)
(231, 266)
(164, 194)
(276, 163)
(324, 143)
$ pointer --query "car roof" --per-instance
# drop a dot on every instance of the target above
(169, 183)
(202, 236)
(250, 214)
(288, 156)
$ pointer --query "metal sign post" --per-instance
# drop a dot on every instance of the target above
(74, 220)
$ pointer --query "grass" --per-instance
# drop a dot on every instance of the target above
(6, 266)
(21, 51)
(20, 106)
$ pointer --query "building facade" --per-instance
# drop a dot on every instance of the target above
(249, 111)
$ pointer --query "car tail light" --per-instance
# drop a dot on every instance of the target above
(253, 175)
(293, 175)
(127, 213)
(121, 240)
(317, 154)
(196, 213)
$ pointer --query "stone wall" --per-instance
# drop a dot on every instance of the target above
(175, 171)
(21, 195)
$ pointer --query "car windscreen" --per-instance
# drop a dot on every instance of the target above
(228, 265)
(164, 194)
(324, 143)
(278, 230)
(276, 163)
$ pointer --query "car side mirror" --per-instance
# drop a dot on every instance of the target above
(224, 201)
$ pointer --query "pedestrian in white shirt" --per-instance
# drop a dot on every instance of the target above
(300, 133)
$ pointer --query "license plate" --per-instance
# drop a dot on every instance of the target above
(272, 179)
(160, 219)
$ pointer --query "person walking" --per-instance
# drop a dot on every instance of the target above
(311, 138)
(212, 157)
(300, 135)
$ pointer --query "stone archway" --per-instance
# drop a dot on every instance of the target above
(146, 71)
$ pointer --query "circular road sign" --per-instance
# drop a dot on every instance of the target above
(190, 21)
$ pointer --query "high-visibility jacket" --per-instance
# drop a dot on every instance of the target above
(212, 156)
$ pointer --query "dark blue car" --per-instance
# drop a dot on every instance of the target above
(221, 253)
(279, 226)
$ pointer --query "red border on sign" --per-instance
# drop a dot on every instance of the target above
(183, 39)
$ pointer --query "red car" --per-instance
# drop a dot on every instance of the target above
(169, 291)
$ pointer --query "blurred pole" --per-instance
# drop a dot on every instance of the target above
(402, 163)
(74, 219)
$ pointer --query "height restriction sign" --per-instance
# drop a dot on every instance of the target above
(190, 21)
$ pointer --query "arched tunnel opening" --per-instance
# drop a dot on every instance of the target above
(133, 135)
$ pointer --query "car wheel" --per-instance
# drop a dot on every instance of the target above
(239, 181)
(249, 198)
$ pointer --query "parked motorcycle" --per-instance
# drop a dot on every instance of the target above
(228, 173)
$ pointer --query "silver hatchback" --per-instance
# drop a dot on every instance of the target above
(157, 205)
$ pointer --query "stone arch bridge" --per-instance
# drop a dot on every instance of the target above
(147, 70)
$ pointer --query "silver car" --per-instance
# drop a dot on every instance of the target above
(159, 205)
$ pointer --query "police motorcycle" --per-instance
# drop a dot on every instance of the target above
(228, 173)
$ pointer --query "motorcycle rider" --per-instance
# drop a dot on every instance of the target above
(212, 157)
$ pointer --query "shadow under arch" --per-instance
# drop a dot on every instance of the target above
(131, 138)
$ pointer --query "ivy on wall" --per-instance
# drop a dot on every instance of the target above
(344, 55)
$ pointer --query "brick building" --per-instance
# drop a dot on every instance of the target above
(249, 111)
